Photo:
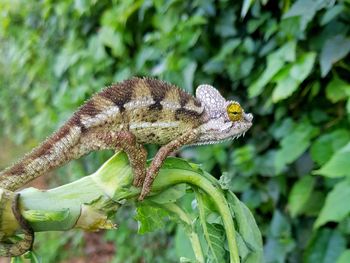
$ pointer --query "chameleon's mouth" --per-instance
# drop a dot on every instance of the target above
(234, 131)
(243, 129)
(221, 140)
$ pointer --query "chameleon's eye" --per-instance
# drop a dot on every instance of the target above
(234, 111)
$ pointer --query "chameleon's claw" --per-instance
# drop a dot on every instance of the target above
(144, 193)
(146, 187)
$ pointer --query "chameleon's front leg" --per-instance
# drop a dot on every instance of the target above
(19, 248)
(137, 154)
(161, 155)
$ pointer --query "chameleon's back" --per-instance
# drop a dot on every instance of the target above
(154, 111)
(158, 112)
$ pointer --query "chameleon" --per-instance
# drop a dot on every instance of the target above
(126, 116)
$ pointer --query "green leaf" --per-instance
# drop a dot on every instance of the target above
(144, 55)
(333, 50)
(338, 165)
(188, 75)
(289, 79)
(336, 207)
(245, 7)
(325, 247)
(185, 222)
(182, 244)
(326, 145)
(306, 9)
(275, 62)
(337, 89)
(112, 39)
(228, 48)
(280, 226)
(286, 85)
(243, 159)
(169, 195)
(302, 67)
(300, 194)
(175, 163)
(282, 128)
(314, 204)
(319, 116)
(64, 60)
(344, 257)
(150, 218)
(331, 14)
(348, 106)
(216, 64)
(294, 144)
(278, 241)
(248, 230)
(213, 231)
(276, 250)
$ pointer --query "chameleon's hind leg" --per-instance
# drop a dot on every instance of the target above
(137, 154)
(161, 155)
(24, 245)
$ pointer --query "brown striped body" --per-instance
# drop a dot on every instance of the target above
(154, 111)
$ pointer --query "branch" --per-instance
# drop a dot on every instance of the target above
(89, 202)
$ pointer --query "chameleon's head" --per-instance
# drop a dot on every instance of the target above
(226, 120)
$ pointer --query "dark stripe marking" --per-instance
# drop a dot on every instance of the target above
(46, 146)
(89, 109)
(120, 93)
(184, 98)
(187, 113)
(197, 103)
(18, 168)
(158, 91)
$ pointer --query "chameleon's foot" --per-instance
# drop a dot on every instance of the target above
(24, 245)
(146, 187)
(144, 192)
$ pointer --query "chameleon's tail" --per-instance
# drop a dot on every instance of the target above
(22, 246)
(64, 145)
(53, 152)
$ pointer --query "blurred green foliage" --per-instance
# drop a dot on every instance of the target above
(286, 61)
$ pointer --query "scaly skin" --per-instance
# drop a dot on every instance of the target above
(124, 117)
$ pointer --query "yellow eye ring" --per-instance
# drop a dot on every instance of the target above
(234, 111)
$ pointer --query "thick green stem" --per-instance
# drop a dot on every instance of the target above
(176, 176)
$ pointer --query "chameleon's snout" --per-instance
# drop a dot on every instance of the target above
(248, 117)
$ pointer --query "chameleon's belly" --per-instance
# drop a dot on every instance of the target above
(158, 126)
(157, 132)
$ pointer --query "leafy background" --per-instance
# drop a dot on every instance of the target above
(286, 61)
